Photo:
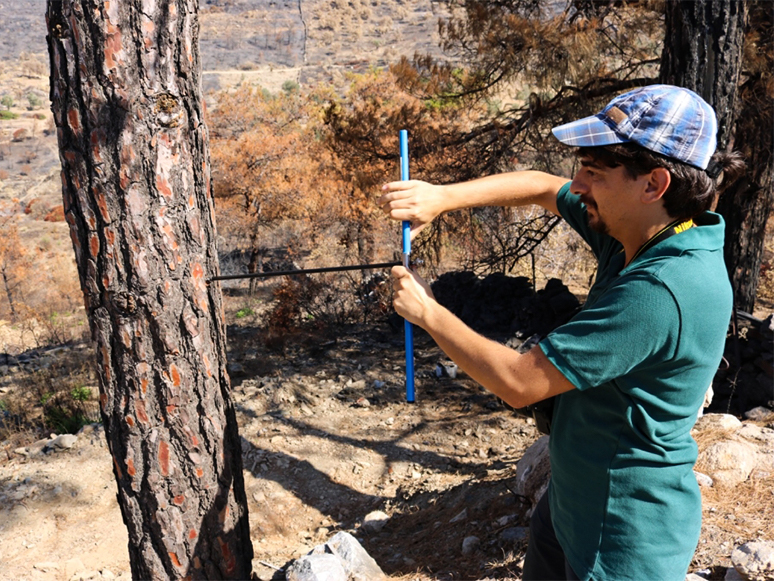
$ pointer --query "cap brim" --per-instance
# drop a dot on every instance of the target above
(588, 132)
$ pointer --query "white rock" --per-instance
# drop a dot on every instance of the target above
(733, 575)
(533, 471)
(725, 422)
(757, 434)
(728, 462)
(324, 567)
(470, 544)
(759, 414)
(46, 567)
(358, 564)
(755, 561)
(375, 521)
(72, 567)
(703, 480)
(64, 442)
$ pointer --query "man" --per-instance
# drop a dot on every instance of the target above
(631, 368)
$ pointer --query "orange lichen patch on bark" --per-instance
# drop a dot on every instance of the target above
(169, 237)
(118, 468)
(142, 415)
(178, 500)
(175, 560)
(99, 197)
(199, 472)
(200, 286)
(110, 238)
(129, 421)
(103, 401)
(227, 556)
(74, 120)
(164, 458)
(113, 47)
(171, 410)
(207, 366)
(192, 534)
(126, 336)
(97, 139)
(94, 245)
(130, 467)
(191, 436)
(127, 154)
(175, 374)
(190, 321)
(162, 185)
(106, 363)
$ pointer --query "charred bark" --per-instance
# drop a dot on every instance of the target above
(125, 89)
(704, 51)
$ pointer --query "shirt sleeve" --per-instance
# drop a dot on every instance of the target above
(633, 325)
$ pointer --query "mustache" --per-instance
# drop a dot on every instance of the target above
(587, 201)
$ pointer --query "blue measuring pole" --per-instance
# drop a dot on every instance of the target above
(404, 176)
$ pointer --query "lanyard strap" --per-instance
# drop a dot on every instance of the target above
(674, 228)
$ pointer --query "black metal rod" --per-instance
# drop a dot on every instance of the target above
(305, 271)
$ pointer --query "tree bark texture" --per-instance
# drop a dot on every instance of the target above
(704, 51)
(747, 205)
(125, 89)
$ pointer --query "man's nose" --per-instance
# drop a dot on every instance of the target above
(578, 186)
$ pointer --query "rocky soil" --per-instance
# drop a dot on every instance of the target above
(327, 439)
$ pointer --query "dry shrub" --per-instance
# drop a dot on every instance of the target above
(748, 502)
(60, 398)
(319, 301)
(30, 204)
(55, 214)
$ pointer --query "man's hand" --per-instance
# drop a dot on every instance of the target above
(413, 298)
(414, 201)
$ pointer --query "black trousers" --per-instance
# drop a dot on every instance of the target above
(545, 560)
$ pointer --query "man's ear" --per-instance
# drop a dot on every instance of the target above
(657, 185)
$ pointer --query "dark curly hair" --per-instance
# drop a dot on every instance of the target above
(691, 192)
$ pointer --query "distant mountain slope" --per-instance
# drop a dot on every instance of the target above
(252, 34)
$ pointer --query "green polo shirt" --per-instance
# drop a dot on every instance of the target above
(641, 353)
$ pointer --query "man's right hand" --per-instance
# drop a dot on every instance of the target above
(415, 201)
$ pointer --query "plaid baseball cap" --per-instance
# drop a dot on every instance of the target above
(672, 121)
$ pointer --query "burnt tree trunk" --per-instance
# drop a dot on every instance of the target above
(125, 89)
(703, 51)
(747, 205)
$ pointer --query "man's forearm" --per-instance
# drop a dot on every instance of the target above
(517, 379)
(508, 189)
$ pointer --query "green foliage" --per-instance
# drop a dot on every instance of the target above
(34, 101)
(56, 399)
(65, 420)
(81, 393)
(245, 312)
(7, 101)
(8, 115)
(290, 87)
